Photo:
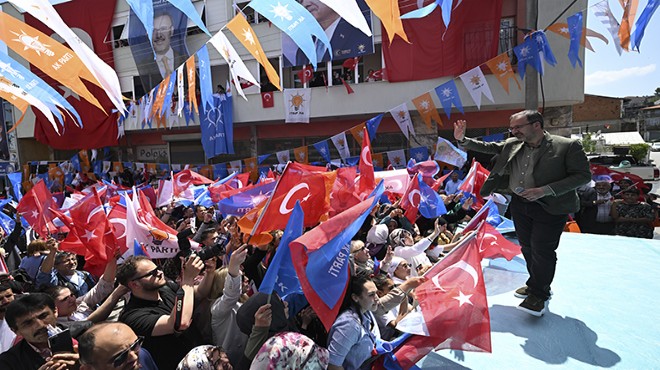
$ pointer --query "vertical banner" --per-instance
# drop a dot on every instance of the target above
(168, 49)
(297, 104)
(217, 126)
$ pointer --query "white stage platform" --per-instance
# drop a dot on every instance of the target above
(603, 314)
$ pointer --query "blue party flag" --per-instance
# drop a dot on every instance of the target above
(323, 149)
(419, 154)
(528, 53)
(241, 203)
(642, 22)
(16, 178)
(372, 126)
(448, 95)
(144, 10)
(431, 204)
(205, 84)
(189, 10)
(262, 158)
(281, 275)
(575, 31)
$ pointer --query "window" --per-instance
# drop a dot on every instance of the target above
(117, 34)
(508, 31)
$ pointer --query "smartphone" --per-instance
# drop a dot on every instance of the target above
(61, 342)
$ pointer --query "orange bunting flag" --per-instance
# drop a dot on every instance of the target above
(377, 160)
(117, 167)
(390, 16)
(250, 165)
(500, 66)
(245, 34)
(55, 173)
(206, 171)
(151, 168)
(192, 95)
(300, 154)
(426, 108)
(157, 106)
(18, 102)
(84, 161)
(357, 132)
(627, 20)
(562, 30)
(53, 58)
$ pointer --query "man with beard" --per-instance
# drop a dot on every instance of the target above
(111, 346)
(6, 335)
(30, 317)
(542, 172)
(152, 313)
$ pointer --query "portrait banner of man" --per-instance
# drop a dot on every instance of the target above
(346, 40)
(157, 59)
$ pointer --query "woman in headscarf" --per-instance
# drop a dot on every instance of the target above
(405, 247)
(290, 350)
(205, 358)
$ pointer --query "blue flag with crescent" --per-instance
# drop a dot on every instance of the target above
(448, 95)
(372, 126)
(297, 22)
(205, 84)
(323, 149)
(642, 22)
(189, 10)
(575, 32)
(281, 275)
(35, 86)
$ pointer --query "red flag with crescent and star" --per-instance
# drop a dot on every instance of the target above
(366, 166)
(306, 74)
(183, 179)
(454, 307)
(310, 185)
(474, 181)
(411, 199)
(267, 99)
(35, 209)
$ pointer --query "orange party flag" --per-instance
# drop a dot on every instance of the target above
(562, 30)
(84, 161)
(358, 132)
(192, 95)
(55, 173)
(250, 164)
(51, 57)
(300, 154)
(627, 20)
(157, 106)
(500, 66)
(426, 108)
(18, 102)
(390, 16)
(244, 33)
(206, 171)
(117, 167)
(377, 159)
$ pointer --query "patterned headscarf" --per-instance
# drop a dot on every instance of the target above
(397, 237)
(205, 358)
(290, 350)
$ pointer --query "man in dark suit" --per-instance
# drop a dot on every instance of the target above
(30, 317)
(542, 172)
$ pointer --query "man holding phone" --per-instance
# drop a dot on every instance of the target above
(30, 317)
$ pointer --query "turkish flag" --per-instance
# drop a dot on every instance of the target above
(93, 229)
(310, 185)
(351, 63)
(35, 208)
(454, 306)
(267, 99)
(117, 219)
(366, 166)
(344, 195)
(183, 179)
(474, 181)
(435, 50)
(493, 245)
(94, 18)
(616, 175)
(411, 199)
(438, 183)
(377, 75)
(306, 74)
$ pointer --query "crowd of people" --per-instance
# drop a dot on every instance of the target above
(192, 313)
(186, 313)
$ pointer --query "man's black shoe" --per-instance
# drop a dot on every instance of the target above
(534, 306)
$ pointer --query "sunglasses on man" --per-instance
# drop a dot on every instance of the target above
(121, 357)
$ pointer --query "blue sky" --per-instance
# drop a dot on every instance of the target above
(632, 73)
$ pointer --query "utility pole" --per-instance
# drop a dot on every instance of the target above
(531, 76)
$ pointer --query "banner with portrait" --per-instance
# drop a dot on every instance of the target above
(168, 51)
(346, 40)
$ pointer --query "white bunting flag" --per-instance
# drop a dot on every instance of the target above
(236, 65)
(342, 146)
(476, 84)
(235, 166)
(397, 158)
(283, 157)
(350, 11)
(179, 86)
(296, 105)
(402, 118)
(603, 12)
(106, 166)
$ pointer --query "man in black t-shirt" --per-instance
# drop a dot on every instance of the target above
(151, 310)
